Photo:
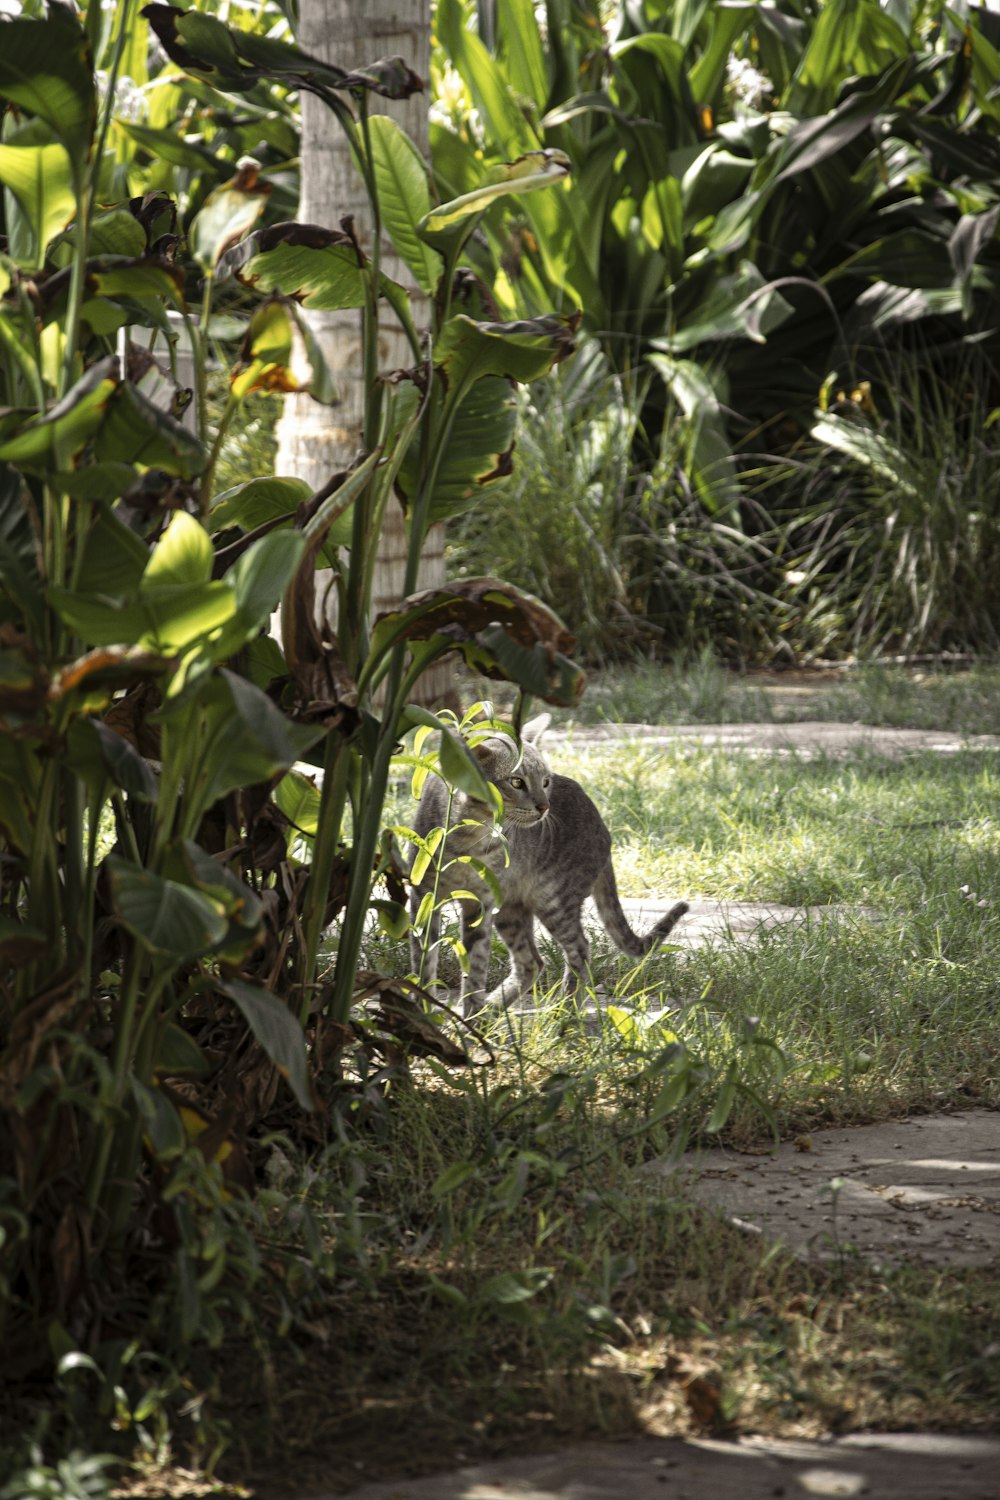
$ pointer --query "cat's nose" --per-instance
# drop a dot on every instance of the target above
(542, 808)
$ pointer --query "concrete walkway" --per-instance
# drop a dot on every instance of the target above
(890, 1466)
(810, 739)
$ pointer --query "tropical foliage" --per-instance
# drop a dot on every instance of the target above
(782, 219)
(169, 876)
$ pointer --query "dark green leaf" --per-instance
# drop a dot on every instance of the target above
(278, 1032)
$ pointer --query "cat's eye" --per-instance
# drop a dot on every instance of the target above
(547, 781)
(517, 782)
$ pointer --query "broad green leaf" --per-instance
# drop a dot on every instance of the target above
(41, 179)
(499, 630)
(404, 197)
(460, 768)
(178, 1054)
(103, 482)
(466, 350)
(528, 173)
(257, 501)
(238, 60)
(522, 50)
(298, 797)
(318, 267)
(258, 579)
(137, 431)
(114, 558)
(247, 739)
(167, 145)
(45, 68)
(183, 555)
(738, 306)
(189, 864)
(171, 921)
(277, 1031)
(478, 450)
(66, 429)
(166, 618)
(99, 755)
(729, 20)
(492, 95)
(849, 37)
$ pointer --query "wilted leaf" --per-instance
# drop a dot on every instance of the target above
(237, 60)
(497, 629)
(279, 353)
(228, 213)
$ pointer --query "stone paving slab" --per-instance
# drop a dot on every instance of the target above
(922, 1189)
(892, 1466)
(808, 739)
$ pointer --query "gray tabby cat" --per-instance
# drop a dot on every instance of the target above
(555, 852)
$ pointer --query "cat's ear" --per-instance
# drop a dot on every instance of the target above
(532, 732)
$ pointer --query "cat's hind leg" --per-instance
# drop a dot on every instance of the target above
(567, 929)
(477, 925)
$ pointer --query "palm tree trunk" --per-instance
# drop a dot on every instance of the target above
(315, 441)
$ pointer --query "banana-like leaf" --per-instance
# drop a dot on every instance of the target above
(479, 450)
(41, 180)
(171, 921)
(257, 502)
(318, 267)
(467, 350)
(183, 554)
(278, 1032)
(528, 173)
(499, 631)
(236, 60)
(101, 757)
(404, 197)
(247, 739)
(70, 424)
(45, 68)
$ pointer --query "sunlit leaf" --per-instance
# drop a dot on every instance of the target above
(533, 170)
(45, 68)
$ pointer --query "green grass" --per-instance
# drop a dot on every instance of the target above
(489, 1268)
(700, 691)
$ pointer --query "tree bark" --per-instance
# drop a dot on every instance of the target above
(315, 441)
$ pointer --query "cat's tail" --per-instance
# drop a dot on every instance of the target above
(605, 894)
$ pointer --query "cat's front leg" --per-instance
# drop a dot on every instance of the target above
(516, 926)
(567, 929)
(477, 925)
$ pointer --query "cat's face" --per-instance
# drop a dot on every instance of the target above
(523, 782)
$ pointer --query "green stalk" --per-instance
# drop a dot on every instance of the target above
(333, 799)
(127, 1006)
